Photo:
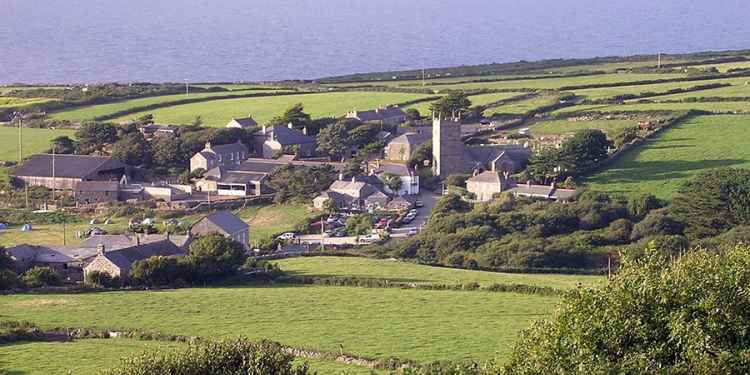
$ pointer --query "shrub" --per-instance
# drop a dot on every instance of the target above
(41, 276)
(226, 357)
(99, 279)
(656, 223)
(8, 279)
(155, 271)
(214, 257)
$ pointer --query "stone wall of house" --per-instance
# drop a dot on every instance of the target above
(102, 264)
(482, 190)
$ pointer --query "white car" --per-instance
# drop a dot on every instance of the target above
(412, 232)
(287, 236)
(370, 238)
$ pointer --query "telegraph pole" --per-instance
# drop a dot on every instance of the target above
(54, 182)
(187, 87)
(658, 64)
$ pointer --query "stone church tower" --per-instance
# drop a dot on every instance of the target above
(447, 147)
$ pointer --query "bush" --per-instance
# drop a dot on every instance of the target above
(41, 276)
(689, 316)
(8, 279)
(656, 223)
(214, 257)
(226, 357)
(156, 271)
(99, 279)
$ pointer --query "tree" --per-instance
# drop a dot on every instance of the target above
(334, 139)
(586, 148)
(215, 257)
(168, 153)
(422, 156)
(358, 225)
(689, 316)
(713, 202)
(413, 115)
(295, 115)
(62, 145)
(133, 149)
(41, 276)
(625, 136)
(391, 180)
(198, 121)
(455, 103)
(99, 279)
(547, 165)
(155, 271)
(300, 182)
(93, 136)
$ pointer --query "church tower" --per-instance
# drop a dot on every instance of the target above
(447, 147)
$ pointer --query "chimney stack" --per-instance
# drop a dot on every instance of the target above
(290, 125)
(341, 177)
(100, 249)
(208, 146)
(304, 130)
(354, 178)
(263, 129)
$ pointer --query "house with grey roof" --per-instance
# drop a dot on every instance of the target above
(213, 156)
(358, 193)
(150, 131)
(390, 116)
(488, 184)
(90, 192)
(65, 171)
(117, 263)
(408, 177)
(271, 141)
(29, 256)
(242, 122)
(402, 147)
(224, 223)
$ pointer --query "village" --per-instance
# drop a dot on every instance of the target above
(385, 183)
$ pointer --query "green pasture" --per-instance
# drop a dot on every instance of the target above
(661, 165)
(34, 141)
(481, 99)
(269, 220)
(607, 92)
(739, 90)
(377, 322)
(724, 67)
(99, 110)
(9, 101)
(556, 127)
(524, 106)
(236, 86)
(420, 274)
(718, 107)
(263, 109)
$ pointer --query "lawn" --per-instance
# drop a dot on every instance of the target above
(89, 356)
(415, 324)
(219, 112)
(555, 127)
(660, 166)
(99, 110)
(736, 90)
(421, 274)
(52, 234)
(34, 141)
(266, 221)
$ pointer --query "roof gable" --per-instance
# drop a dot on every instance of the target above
(66, 166)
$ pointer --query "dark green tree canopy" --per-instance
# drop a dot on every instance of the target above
(214, 257)
(62, 145)
(456, 102)
(295, 115)
(133, 149)
(93, 136)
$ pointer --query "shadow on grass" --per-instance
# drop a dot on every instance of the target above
(662, 170)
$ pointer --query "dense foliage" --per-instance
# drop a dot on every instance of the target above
(346, 134)
(577, 154)
(456, 103)
(689, 316)
(41, 276)
(300, 182)
(226, 357)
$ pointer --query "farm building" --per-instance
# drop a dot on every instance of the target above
(274, 140)
(218, 156)
(224, 223)
(242, 123)
(391, 116)
(153, 130)
(65, 171)
(402, 147)
(88, 192)
(117, 263)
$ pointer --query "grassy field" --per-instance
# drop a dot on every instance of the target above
(6, 102)
(607, 92)
(98, 110)
(482, 99)
(718, 107)
(415, 324)
(554, 127)
(219, 112)
(681, 152)
(266, 221)
(524, 106)
(421, 274)
(76, 357)
(34, 141)
(52, 234)
(734, 91)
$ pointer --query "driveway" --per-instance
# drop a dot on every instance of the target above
(423, 213)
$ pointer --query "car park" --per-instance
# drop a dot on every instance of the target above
(287, 236)
(412, 232)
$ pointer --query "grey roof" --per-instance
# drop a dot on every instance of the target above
(286, 136)
(151, 128)
(244, 122)
(242, 177)
(120, 241)
(227, 221)
(379, 114)
(412, 139)
(229, 148)
(488, 177)
(67, 166)
(124, 258)
(543, 191)
(266, 166)
(40, 254)
(394, 168)
(97, 186)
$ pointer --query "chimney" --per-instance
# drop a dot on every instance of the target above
(208, 146)
(354, 178)
(290, 125)
(341, 177)
(100, 249)
(304, 130)
(263, 129)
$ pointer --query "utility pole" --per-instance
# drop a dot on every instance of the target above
(54, 181)
(64, 230)
(658, 64)
(187, 87)
(423, 83)
(322, 239)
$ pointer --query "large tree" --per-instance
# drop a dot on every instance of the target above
(63, 145)
(133, 149)
(93, 136)
(215, 257)
(455, 103)
(690, 316)
(586, 148)
(714, 202)
(295, 115)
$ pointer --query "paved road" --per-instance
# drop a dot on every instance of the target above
(428, 198)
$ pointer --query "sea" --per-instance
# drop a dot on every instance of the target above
(90, 41)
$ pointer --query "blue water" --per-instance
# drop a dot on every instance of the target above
(68, 41)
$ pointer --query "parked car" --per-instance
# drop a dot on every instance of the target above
(418, 204)
(287, 236)
(370, 238)
(412, 232)
(408, 219)
(95, 231)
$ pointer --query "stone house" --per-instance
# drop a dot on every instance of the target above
(117, 263)
(90, 192)
(357, 193)
(274, 140)
(390, 116)
(487, 185)
(408, 177)
(224, 223)
(64, 171)
(217, 156)
(242, 123)
(402, 147)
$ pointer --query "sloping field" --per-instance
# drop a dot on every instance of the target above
(219, 112)
(8, 101)
(555, 127)
(98, 110)
(718, 107)
(554, 83)
(378, 322)
(660, 166)
(34, 141)
(607, 92)
(741, 89)
(524, 106)
(416, 273)
(482, 99)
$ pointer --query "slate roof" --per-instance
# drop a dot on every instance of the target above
(394, 168)
(286, 136)
(379, 114)
(244, 122)
(488, 177)
(543, 191)
(124, 258)
(412, 139)
(67, 166)
(229, 148)
(227, 221)
(97, 186)
(120, 241)
(40, 254)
